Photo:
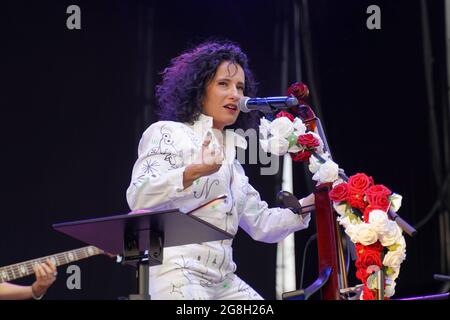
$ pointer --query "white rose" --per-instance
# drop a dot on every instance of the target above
(394, 259)
(401, 243)
(319, 149)
(379, 220)
(394, 275)
(365, 234)
(314, 163)
(391, 234)
(264, 128)
(396, 201)
(299, 127)
(390, 288)
(277, 146)
(328, 172)
(344, 221)
(350, 230)
(281, 127)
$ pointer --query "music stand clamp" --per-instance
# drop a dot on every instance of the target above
(142, 236)
(142, 260)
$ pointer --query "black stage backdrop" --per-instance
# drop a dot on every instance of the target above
(75, 102)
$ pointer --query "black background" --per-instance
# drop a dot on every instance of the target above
(74, 104)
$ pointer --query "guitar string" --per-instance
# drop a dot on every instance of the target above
(60, 258)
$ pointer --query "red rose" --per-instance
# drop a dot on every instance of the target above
(377, 195)
(369, 294)
(339, 192)
(301, 156)
(285, 114)
(360, 248)
(359, 182)
(308, 140)
(376, 190)
(362, 275)
(381, 202)
(368, 258)
(356, 200)
(358, 262)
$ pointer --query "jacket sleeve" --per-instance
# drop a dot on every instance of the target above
(157, 177)
(269, 224)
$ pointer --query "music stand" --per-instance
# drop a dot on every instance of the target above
(144, 230)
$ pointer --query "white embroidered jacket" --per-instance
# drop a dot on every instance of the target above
(166, 148)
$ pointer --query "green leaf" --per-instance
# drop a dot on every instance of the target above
(292, 140)
(389, 271)
(394, 247)
(354, 218)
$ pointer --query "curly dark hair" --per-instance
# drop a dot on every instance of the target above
(183, 85)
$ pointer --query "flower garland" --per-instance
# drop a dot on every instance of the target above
(379, 240)
(361, 204)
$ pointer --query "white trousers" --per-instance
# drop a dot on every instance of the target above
(183, 284)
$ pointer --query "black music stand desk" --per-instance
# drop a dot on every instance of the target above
(141, 237)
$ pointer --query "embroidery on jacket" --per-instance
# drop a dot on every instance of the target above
(206, 189)
(149, 167)
(166, 142)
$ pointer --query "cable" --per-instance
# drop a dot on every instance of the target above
(436, 205)
(312, 238)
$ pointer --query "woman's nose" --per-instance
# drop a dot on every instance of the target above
(236, 93)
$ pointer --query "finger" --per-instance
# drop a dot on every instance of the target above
(219, 159)
(206, 142)
(48, 271)
(39, 271)
(207, 139)
(51, 265)
(209, 159)
(50, 275)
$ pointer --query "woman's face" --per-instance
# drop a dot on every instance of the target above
(222, 94)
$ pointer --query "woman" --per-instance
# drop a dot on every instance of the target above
(45, 276)
(189, 159)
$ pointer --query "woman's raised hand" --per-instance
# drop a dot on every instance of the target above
(207, 162)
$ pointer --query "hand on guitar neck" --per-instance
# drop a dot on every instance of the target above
(45, 274)
(45, 271)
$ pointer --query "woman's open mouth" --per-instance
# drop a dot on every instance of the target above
(232, 107)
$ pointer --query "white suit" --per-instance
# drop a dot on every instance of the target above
(202, 271)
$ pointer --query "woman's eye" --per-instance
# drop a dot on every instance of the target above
(241, 88)
(222, 83)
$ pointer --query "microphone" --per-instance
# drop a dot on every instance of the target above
(266, 105)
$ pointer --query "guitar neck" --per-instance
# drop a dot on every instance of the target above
(23, 269)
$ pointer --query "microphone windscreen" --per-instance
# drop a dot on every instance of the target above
(242, 105)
